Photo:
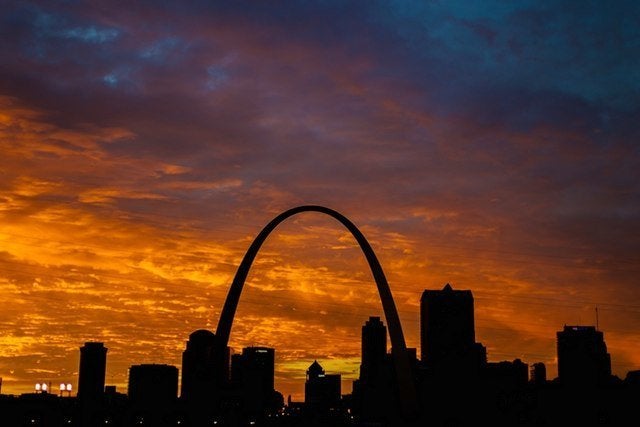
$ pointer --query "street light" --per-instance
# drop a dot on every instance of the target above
(65, 388)
(42, 387)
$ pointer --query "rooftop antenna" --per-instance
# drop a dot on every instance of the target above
(597, 325)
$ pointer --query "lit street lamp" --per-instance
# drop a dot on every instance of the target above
(65, 388)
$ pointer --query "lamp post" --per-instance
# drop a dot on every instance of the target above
(65, 388)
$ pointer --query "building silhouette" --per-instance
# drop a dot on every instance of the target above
(91, 375)
(153, 395)
(506, 375)
(252, 375)
(447, 333)
(205, 367)
(633, 378)
(538, 373)
(455, 381)
(322, 392)
(215, 392)
(582, 356)
(374, 349)
(256, 366)
(153, 383)
(373, 392)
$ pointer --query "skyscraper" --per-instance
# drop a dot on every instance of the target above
(374, 348)
(253, 372)
(205, 366)
(91, 375)
(447, 331)
(373, 390)
(582, 356)
(256, 366)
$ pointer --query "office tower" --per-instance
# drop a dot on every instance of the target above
(321, 391)
(447, 323)
(582, 356)
(255, 366)
(91, 375)
(374, 348)
(205, 366)
(153, 384)
(252, 372)
(373, 390)
(447, 332)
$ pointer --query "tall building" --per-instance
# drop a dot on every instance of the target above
(322, 392)
(447, 331)
(582, 356)
(205, 366)
(91, 375)
(153, 384)
(374, 348)
(373, 391)
(256, 366)
(252, 372)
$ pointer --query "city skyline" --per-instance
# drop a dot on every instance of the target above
(453, 383)
(97, 372)
(493, 148)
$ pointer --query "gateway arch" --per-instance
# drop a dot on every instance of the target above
(405, 383)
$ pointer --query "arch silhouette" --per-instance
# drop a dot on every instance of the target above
(406, 386)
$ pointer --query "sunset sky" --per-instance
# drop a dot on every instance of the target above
(491, 145)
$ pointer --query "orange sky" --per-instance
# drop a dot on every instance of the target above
(77, 267)
(138, 162)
